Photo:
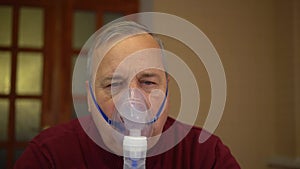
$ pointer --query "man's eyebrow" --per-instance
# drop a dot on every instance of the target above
(147, 74)
(108, 79)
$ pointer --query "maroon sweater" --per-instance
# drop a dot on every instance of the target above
(67, 146)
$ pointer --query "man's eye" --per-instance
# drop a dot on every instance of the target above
(148, 83)
(114, 84)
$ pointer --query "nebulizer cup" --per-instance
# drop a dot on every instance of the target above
(134, 117)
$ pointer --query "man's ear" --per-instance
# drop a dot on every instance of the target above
(88, 94)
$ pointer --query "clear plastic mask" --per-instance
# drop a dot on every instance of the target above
(133, 115)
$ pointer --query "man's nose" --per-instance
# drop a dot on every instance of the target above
(132, 89)
(134, 84)
(137, 99)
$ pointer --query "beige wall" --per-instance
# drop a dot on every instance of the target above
(297, 72)
(256, 43)
(284, 79)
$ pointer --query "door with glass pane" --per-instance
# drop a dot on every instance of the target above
(39, 42)
(21, 78)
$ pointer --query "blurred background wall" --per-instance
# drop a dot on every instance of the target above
(258, 43)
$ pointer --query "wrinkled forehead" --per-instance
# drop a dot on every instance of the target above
(131, 54)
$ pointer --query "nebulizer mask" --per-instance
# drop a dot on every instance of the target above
(133, 119)
(137, 119)
(133, 116)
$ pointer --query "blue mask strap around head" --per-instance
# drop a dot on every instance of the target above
(119, 125)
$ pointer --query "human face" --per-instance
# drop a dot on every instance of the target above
(131, 74)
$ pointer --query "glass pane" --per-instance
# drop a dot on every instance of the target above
(4, 111)
(2, 158)
(5, 72)
(110, 16)
(17, 154)
(84, 27)
(29, 73)
(6, 25)
(31, 28)
(28, 115)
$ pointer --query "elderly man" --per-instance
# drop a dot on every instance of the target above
(127, 98)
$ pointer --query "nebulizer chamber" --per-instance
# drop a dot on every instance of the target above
(134, 152)
(134, 113)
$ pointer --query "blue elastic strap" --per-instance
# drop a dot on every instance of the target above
(118, 124)
(98, 107)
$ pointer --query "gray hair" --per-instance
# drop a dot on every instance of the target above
(114, 32)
